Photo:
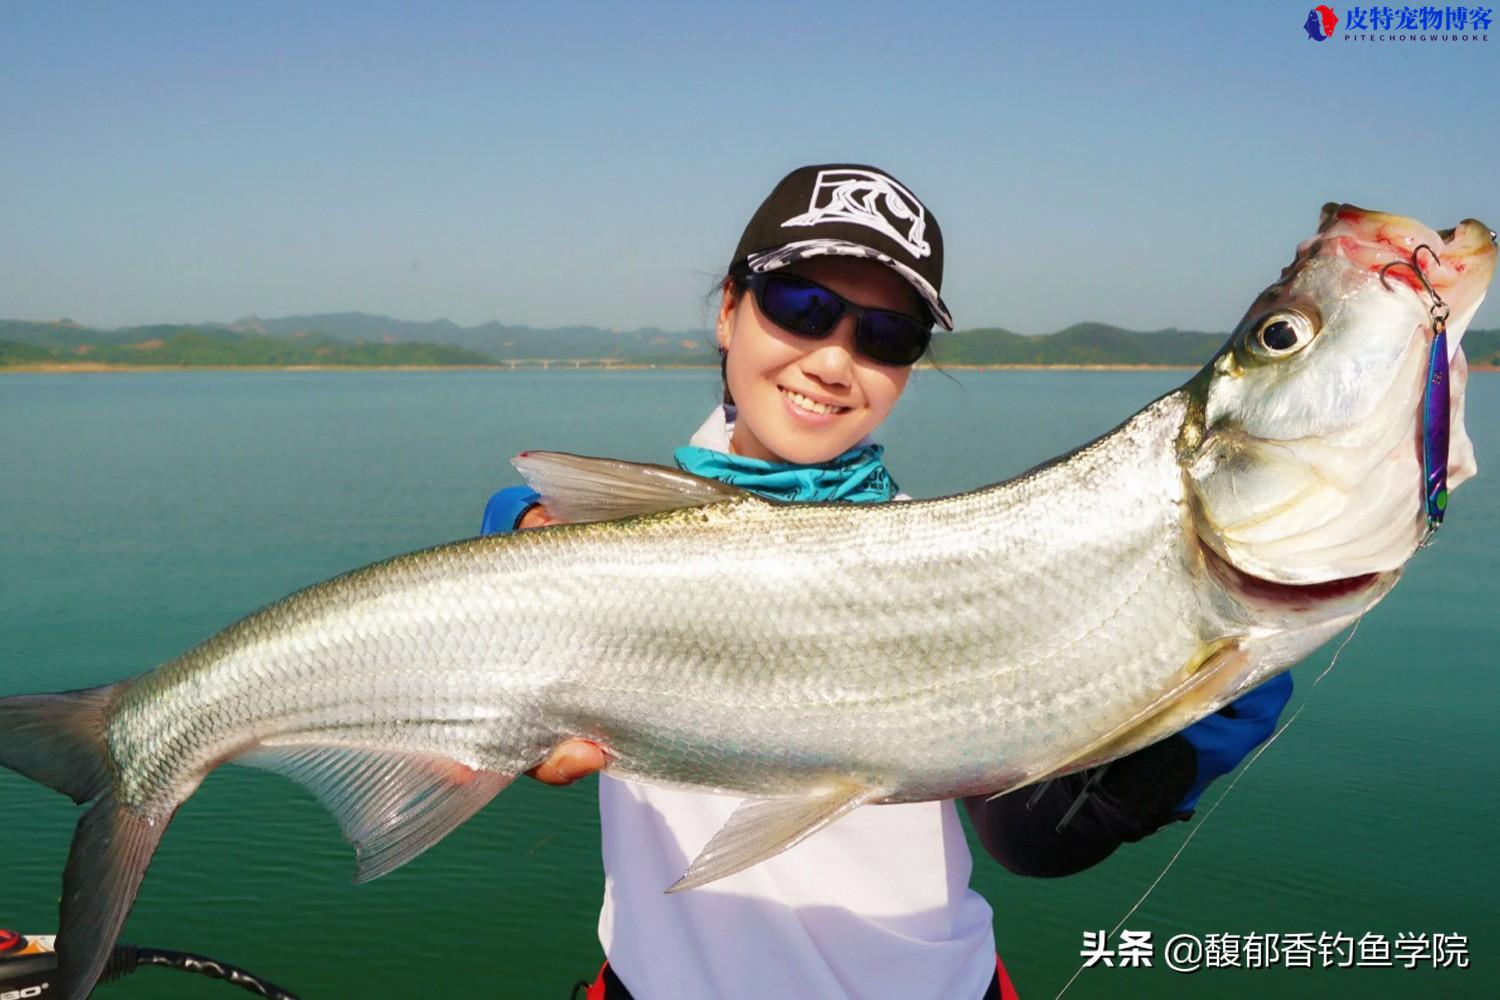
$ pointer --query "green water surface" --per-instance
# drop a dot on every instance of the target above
(140, 512)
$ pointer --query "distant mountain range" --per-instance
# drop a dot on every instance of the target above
(341, 339)
(360, 339)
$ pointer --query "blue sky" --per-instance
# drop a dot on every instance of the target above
(584, 162)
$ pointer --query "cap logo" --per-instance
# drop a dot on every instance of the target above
(871, 199)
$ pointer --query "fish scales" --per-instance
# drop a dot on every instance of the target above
(491, 651)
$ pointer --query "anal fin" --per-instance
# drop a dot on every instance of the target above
(763, 828)
(112, 846)
(391, 805)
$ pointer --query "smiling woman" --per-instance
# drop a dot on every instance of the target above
(803, 400)
(829, 298)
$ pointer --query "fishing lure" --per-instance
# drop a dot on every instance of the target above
(1435, 400)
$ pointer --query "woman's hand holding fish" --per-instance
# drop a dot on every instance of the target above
(572, 759)
(537, 516)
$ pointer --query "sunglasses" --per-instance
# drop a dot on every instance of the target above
(809, 310)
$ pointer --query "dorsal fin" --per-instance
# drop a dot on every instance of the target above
(578, 489)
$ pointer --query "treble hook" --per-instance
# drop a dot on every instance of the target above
(1439, 307)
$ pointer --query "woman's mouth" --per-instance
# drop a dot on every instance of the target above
(811, 407)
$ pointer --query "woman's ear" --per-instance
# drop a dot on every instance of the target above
(728, 302)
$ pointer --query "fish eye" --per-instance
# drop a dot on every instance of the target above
(1281, 334)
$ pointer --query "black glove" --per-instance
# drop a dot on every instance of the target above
(1126, 800)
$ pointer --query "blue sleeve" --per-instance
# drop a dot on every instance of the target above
(505, 509)
(1225, 738)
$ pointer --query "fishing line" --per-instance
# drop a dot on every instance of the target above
(1217, 803)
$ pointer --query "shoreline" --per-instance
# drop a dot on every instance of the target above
(86, 367)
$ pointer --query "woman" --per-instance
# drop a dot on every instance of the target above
(829, 299)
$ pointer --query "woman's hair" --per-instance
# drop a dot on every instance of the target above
(733, 281)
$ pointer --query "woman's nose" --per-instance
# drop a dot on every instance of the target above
(832, 361)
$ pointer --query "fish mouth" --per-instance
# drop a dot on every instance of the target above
(1288, 596)
(1458, 266)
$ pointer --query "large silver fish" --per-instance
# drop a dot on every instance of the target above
(816, 658)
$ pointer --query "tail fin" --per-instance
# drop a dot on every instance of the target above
(58, 740)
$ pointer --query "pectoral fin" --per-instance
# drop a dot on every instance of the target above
(763, 828)
(578, 489)
(1207, 681)
(391, 806)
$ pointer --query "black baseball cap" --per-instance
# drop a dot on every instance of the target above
(848, 210)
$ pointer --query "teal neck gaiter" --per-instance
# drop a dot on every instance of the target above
(856, 476)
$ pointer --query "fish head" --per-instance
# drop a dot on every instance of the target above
(1304, 457)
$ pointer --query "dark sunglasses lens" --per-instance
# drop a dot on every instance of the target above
(800, 306)
(891, 338)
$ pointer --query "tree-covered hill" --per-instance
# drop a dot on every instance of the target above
(358, 339)
(188, 347)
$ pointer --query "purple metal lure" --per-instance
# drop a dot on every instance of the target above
(1435, 425)
(1435, 401)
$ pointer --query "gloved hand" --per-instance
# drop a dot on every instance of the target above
(1225, 738)
(1127, 799)
(506, 508)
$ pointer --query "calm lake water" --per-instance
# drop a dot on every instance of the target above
(141, 512)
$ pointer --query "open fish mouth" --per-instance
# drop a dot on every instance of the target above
(1294, 597)
(1458, 268)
